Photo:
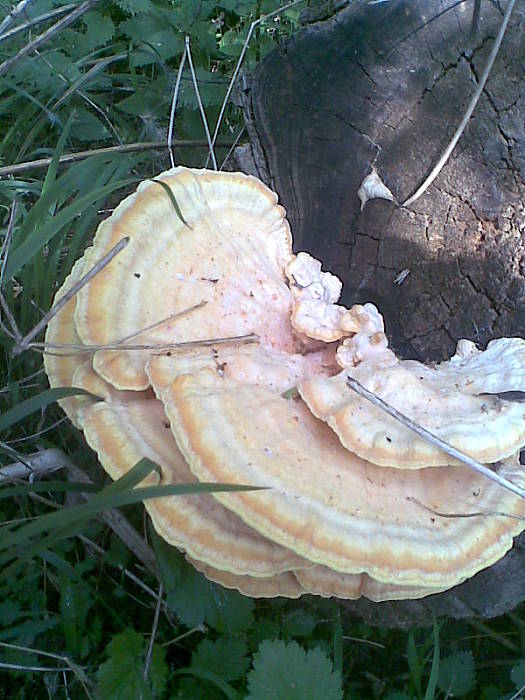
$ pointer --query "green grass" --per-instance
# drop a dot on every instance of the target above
(79, 606)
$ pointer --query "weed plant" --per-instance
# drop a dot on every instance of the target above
(84, 613)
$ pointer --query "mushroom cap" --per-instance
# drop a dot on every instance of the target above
(122, 433)
(324, 502)
(231, 254)
(319, 580)
(213, 261)
(498, 369)
(314, 312)
(61, 365)
(487, 428)
(284, 584)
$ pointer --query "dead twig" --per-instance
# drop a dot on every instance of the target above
(67, 158)
(466, 117)
(240, 60)
(81, 349)
(41, 39)
(433, 439)
(174, 106)
(199, 102)
(36, 20)
(475, 514)
(23, 344)
(149, 654)
(11, 16)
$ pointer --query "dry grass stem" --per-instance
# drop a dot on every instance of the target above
(171, 317)
(156, 616)
(433, 439)
(41, 39)
(37, 20)
(11, 16)
(472, 105)
(199, 101)
(136, 580)
(476, 514)
(125, 148)
(174, 107)
(233, 146)
(240, 60)
(86, 349)
(57, 306)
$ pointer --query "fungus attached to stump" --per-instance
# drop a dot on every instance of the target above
(223, 357)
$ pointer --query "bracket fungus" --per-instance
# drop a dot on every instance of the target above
(223, 357)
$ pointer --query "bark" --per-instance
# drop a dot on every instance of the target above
(385, 85)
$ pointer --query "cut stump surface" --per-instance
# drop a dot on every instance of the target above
(384, 86)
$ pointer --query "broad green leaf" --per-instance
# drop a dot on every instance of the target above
(298, 623)
(517, 674)
(99, 30)
(35, 403)
(225, 657)
(134, 7)
(197, 600)
(457, 675)
(121, 676)
(288, 672)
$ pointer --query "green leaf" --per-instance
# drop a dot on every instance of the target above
(76, 598)
(35, 403)
(517, 674)
(99, 30)
(197, 600)
(299, 623)
(29, 247)
(457, 674)
(414, 663)
(395, 695)
(225, 657)
(288, 672)
(121, 676)
(434, 671)
(134, 7)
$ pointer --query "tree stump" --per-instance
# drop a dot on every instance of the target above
(384, 86)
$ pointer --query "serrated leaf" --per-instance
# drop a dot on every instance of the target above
(121, 676)
(457, 674)
(517, 674)
(134, 7)
(224, 657)
(99, 30)
(288, 672)
(89, 127)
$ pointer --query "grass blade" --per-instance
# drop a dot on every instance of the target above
(35, 403)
